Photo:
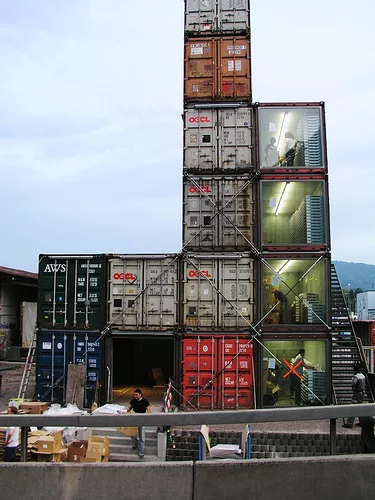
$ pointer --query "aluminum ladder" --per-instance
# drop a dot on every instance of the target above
(28, 365)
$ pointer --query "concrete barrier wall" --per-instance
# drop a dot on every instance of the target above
(96, 481)
(346, 478)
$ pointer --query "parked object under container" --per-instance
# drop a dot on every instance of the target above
(218, 140)
(217, 69)
(72, 291)
(213, 16)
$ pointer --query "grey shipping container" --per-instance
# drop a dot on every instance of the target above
(218, 140)
(225, 16)
(72, 291)
(218, 213)
(218, 291)
(143, 292)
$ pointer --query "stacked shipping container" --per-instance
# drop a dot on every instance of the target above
(217, 287)
(255, 252)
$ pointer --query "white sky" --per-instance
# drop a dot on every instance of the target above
(91, 129)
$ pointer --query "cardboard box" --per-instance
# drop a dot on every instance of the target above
(34, 407)
(76, 450)
(98, 444)
(50, 444)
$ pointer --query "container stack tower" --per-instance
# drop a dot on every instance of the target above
(217, 271)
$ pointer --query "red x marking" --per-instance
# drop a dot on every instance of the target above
(293, 369)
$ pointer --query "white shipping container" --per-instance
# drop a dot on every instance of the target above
(218, 140)
(143, 292)
(205, 16)
(366, 305)
(218, 291)
(218, 213)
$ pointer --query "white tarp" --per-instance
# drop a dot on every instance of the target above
(28, 319)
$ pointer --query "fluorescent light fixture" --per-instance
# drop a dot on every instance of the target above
(285, 266)
(282, 128)
(281, 198)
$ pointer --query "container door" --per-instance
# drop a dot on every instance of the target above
(235, 386)
(199, 15)
(53, 292)
(237, 216)
(200, 67)
(237, 286)
(160, 297)
(200, 213)
(234, 15)
(71, 292)
(234, 69)
(52, 359)
(86, 349)
(200, 140)
(125, 287)
(89, 292)
(235, 139)
(200, 299)
(198, 368)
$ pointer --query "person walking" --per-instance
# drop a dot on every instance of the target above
(139, 404)
(359, 391)
(367, 434)
(11, 439)
(300, 363)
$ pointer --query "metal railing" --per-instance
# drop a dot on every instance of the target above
(331, 413)
(369, 352)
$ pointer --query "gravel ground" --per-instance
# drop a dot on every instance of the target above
(11, 379)
(12, 375)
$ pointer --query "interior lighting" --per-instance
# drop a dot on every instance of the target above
(281, 198)
(285, 266)
(282, 128)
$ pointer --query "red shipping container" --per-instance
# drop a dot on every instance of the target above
(232, 399)
(206, 383)
(372, 332)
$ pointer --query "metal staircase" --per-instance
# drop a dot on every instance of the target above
(345, 348)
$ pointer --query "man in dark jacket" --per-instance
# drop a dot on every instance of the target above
(367, 434)
(359, 391)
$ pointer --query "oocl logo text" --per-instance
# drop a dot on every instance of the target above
(199, 119)
(197, 274)
(125, 277)
(200, 189)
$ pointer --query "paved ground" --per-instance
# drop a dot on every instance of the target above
(12, 374)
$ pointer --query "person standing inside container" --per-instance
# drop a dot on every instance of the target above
(11, 439)
(139, 404)
(299, 364)
(359, 391)
(281, 298)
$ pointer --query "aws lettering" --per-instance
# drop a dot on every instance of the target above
(55, 268)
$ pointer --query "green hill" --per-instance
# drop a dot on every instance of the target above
(357, 274)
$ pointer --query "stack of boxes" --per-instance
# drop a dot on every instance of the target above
(217, 286)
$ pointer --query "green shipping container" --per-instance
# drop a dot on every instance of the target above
(72, 291)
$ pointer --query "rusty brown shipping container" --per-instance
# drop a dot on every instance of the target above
(217, 68)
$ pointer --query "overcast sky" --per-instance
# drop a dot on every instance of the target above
(91, 130)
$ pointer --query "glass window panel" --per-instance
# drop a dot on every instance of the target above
(306, 303)
(287, 381)
(293, 213)
(290, 137)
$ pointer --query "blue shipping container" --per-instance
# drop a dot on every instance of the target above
(55, 351)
